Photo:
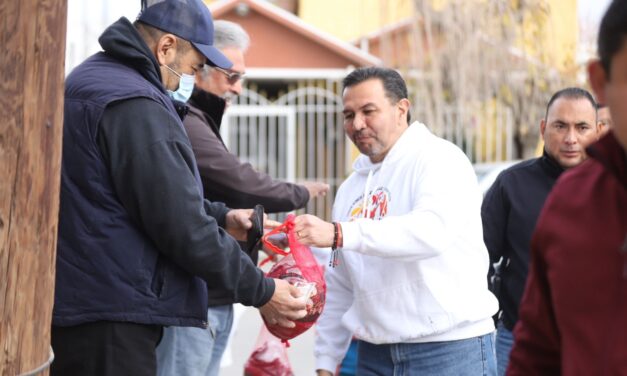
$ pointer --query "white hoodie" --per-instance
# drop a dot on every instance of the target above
(413, 267)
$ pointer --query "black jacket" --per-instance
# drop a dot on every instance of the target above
(225, 178)
(134, 230)
(509, 212)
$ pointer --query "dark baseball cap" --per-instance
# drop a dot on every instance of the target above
(188, 19)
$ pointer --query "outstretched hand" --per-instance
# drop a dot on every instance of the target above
(315, 188)
(311, 230)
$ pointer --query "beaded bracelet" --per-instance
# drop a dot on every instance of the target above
(337, 243)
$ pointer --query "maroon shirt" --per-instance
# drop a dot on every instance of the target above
(573, 316)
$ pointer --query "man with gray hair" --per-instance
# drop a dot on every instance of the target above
(193, 351)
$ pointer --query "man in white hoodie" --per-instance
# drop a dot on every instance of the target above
(410, 263)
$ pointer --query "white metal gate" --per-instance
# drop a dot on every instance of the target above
(295, 138)
(263, 136)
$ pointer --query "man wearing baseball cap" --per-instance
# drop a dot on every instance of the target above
(137, 244)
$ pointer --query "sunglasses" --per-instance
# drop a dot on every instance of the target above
(232, 77)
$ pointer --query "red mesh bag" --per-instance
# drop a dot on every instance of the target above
(269, 358)
(298, 267)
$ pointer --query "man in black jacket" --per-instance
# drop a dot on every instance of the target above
(137, 244)
(193, 351)
(513, 203)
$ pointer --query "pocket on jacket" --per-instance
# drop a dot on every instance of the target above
(158, 278)
(400, 312)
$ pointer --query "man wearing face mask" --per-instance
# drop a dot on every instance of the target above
(137, 244)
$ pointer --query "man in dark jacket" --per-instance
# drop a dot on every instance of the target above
(512, 205)
(573, 314)
(137, 244)
(225, 177)
(194, 351)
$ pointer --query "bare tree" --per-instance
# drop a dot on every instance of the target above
(473, 80)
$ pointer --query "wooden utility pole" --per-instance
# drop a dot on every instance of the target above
(32, 36)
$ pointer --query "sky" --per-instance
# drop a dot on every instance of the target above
(590, 13)
(592, 9)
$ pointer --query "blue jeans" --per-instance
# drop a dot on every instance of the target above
(472, 357)
(504, 343)
(195, 351)
(348, 367)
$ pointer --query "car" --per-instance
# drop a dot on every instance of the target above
(488, 172)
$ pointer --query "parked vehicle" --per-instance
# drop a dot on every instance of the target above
(488, 172)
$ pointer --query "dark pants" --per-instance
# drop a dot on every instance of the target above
(105, 348)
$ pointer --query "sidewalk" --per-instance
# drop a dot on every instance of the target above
(247, 323)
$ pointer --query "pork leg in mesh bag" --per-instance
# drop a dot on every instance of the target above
(269, 358)
(298, 267)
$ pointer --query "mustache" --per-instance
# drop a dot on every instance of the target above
(361, 133)
(228, 97)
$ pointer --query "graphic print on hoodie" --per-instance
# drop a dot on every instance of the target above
(376, 206)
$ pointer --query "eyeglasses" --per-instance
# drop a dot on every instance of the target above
(232, 77)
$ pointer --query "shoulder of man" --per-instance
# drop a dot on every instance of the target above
(523, 167)
(131, 125)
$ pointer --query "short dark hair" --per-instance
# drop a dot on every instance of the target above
(571, 93)
(612, 33)
(393, 84)
(151, 34)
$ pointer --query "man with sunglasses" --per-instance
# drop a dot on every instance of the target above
(227, 179)
(195, 351)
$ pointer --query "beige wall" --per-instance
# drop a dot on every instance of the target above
(350, 19)
(562, 34)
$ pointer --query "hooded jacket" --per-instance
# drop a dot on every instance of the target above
(225, 178)
(573, 314)
(413, 263)
(509, 213)
(134, 230)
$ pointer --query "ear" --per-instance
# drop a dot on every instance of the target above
(166, 49)
(542, 127)
(598, 79)
(403, 106)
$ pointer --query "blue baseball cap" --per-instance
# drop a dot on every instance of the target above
(188, 19)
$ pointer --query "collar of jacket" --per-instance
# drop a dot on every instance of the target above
(181, 108)
(550, 165)
(211, 106)
(611, 155)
